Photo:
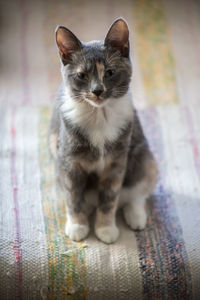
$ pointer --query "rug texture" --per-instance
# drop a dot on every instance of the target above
(37, 260)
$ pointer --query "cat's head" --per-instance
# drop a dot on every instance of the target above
(98, 70)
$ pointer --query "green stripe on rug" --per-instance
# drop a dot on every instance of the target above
(155, 54)
(67, 264)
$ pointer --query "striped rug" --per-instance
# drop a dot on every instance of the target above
(37, 260)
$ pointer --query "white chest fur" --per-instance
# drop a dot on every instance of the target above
(101, 124)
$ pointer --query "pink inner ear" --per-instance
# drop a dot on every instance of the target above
(118, 37)
(67, 42)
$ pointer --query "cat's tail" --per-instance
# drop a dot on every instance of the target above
(53, 144)
(53, 131)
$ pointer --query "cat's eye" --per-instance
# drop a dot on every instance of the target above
(82, 75)
(109, 73)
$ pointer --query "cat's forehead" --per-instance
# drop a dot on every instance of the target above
(92, 54)
(94, 58)
(94, 50)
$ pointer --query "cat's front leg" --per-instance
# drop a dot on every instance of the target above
(77, 226)
(105, 223)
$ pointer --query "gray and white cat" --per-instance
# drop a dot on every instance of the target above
(102, 157)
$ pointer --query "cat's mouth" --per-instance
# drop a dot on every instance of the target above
(96, 101)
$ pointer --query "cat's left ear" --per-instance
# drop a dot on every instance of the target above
(118, 37)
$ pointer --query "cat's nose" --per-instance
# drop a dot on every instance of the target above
(97, 91)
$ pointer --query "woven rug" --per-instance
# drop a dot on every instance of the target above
(37, 260)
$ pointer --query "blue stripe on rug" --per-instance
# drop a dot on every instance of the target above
(162, 254)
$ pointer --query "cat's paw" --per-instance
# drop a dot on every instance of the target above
(136, 219)
(76, 232)
(107, 234)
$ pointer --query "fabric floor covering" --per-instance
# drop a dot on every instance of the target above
(37, 261)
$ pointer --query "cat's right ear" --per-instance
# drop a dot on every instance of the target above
(67, 43)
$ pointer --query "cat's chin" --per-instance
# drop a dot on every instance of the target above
(96, 104)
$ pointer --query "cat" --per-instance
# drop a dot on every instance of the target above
(102, 157)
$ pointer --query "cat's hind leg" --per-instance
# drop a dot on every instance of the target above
(134, 198)
(134, 209)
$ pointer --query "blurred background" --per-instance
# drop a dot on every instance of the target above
(165, 46)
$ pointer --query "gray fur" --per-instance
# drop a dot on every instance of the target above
(127, 155)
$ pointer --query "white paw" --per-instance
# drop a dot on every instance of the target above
(76, 232)
(136, 219)
(108, 234)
